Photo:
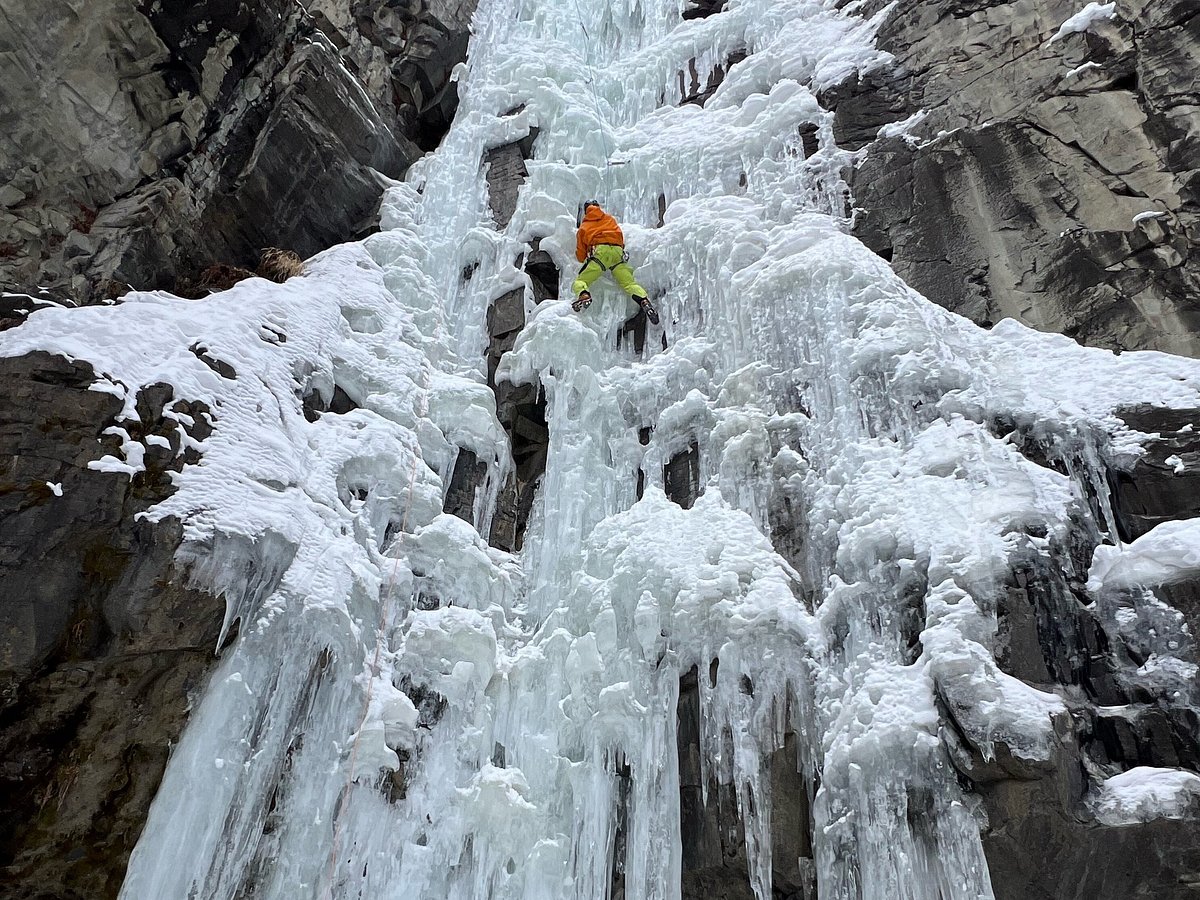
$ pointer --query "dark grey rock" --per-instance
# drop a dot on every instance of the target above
(632, 332)
(543, 274)
(522, 412)
(102, 642)
(469, 474)
(702, 9)
(863, 106)
(1152, 491)
(340, 403)
(690, 88)
(506, 172)
(681, 477)
(1041, 840)
(505, 319)
(1144, 735)
(1048, 634)
(1016, 196)
(713, 838)
(1039, 848)
(507, 313)
(520, 408)
(186, 134)
(513, 507)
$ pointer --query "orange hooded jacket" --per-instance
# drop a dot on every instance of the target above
(598, 227)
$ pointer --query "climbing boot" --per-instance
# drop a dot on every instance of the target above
(582, 302)
(648, 309)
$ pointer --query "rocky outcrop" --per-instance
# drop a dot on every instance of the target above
(1041, 838)
(681, 477)
(1164, 483)
(1048, 177)
(521, 409)
(506, 172)
(714, 864)
(173, 135)
(466, 478)
(102, 642)
(1018, 161)
(1097, 653)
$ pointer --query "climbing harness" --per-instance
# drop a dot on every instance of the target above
(592, 258)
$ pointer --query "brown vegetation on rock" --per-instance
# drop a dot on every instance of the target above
(217, 277)
(279, 265)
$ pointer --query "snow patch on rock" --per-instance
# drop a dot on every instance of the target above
(1145, 793)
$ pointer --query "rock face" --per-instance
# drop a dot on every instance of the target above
(155, 145)
(1096, 652)
(1153, 491)
(1049, 174)
(101, 641)
(520, 409)
(1052, 179)
(178, 135)
(714, 864)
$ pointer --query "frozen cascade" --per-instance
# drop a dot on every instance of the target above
(410, 713)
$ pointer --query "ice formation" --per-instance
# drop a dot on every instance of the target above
(410, 713)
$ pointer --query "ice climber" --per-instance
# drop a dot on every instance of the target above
(600, 246)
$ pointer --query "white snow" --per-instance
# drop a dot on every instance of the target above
(1176, 463)
(1168, 552)
(1143, 794)
(55, 488)
(1086, 67)
(104, 386)
(1084, 19)
(903, 128)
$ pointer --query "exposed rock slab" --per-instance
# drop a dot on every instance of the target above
(1024, 190)
(1155, 490)
(1040, 837)
(681, 477)
(468, 476)
(179, 135)
(506, 173)
(521, 409)
(1039, 851)
(714, 864)
(102, 643)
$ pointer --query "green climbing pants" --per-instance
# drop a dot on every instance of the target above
(608, 258)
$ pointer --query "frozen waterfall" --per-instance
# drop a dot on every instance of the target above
(407, 712)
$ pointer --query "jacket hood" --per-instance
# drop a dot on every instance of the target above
(593, 214)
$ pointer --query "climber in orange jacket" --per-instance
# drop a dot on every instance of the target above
(600, 246)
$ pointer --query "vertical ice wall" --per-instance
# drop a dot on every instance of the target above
(410, 713)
